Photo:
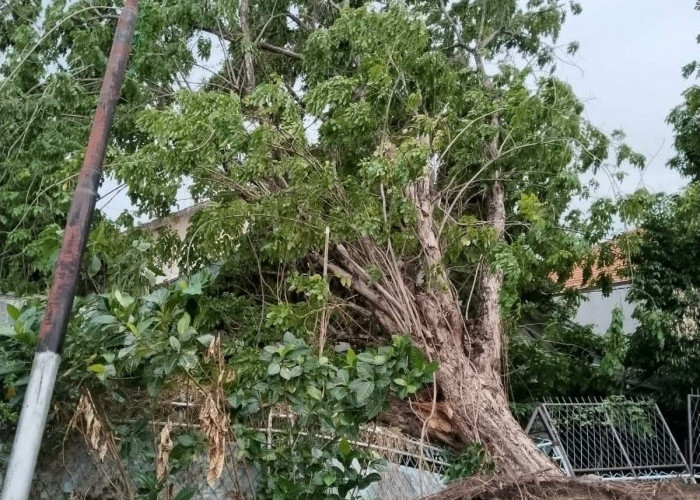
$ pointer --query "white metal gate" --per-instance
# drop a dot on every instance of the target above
(617, 439)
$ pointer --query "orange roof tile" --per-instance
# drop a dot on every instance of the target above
(616, 272)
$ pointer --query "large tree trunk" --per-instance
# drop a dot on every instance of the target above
(469, 373)
(248, 70)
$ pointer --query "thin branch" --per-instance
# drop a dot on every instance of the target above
(232, 38)
(298, 21)
(278, 50)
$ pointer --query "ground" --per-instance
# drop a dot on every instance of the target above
(498, 488)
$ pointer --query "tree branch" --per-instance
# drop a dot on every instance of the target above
(298, 21)
(278, 50)
(248, 69)
(231, 38)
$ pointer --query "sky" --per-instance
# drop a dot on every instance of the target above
(627, 72)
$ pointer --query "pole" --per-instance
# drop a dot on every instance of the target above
(35, 408)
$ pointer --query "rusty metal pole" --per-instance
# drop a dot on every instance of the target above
(35, 408)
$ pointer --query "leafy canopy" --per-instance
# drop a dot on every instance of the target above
(307, 133)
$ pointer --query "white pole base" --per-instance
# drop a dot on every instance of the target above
(32, 419)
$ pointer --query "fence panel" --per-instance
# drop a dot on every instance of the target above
(694, 434)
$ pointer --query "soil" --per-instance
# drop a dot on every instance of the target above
(498, 488)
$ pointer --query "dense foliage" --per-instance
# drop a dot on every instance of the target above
(665, 349)
(118, 343)
(307, 144)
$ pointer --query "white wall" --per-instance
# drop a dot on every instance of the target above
(596, 310)
(4, 300)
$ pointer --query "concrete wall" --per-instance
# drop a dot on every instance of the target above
(69, 469)
(4, 300)
(177, 223)
(596, 309)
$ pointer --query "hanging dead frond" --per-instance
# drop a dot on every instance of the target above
(86, 420)
(213, 417)
(165, 446)
(214, 424)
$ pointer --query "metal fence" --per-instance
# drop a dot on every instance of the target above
(615, 439)
(694, 434)
(72, 469)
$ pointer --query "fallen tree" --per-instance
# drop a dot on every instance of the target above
(370, 169)
(432, 192)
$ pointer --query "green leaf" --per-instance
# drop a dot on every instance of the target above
(194, 289)
(125, 351)
(185, 440)
(339, 393)
(379, 360)
(370, 478)
(206, 339)
(174, 343)
(365, 357)
(344, 448)
(285, 373)
(94, 266)
(13, 312)
(104, 319)
(188, 361)
(314, 393)
(97, 368)
(125, 300)
(343, 377)
(350, 356)
(273, 369)
(183, 324)
(362, 389)
(157, 296)
(364, 370)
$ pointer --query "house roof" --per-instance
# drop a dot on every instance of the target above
(616, 272)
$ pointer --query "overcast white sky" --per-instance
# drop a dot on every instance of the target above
(628, 73)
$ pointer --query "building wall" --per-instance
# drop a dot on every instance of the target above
(4, 300)
(177, 223)
(596, 309)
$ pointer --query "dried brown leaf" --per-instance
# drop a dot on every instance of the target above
(165, 446)
(85, 419)
(214, 423)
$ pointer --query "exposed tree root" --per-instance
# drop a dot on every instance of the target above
(530, 488)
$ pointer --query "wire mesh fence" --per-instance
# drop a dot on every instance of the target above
(616, 439)
(71, 468)
(694, 434)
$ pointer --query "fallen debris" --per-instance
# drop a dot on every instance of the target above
(528, 488)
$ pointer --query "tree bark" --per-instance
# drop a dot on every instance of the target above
(248, 80)
(469, 371)
(489, 354)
